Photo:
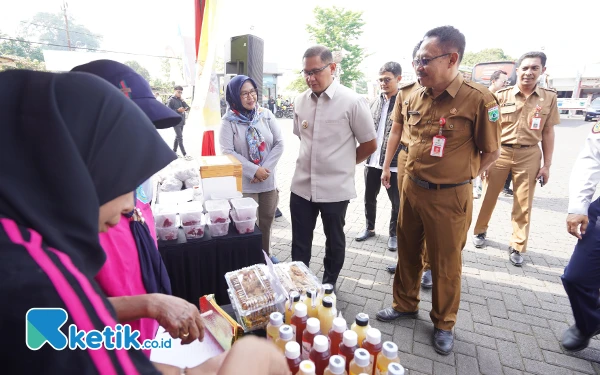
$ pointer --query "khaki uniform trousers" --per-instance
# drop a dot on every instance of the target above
(442, 218)
(402, 156)
(525, 164)
(267, 205)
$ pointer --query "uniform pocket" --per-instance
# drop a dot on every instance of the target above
(508, 114)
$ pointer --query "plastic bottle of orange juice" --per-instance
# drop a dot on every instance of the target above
(320, 353)
(286, 334)
(275, 321)
(361, 363)
(292, 354)
(395, 369)
(290, 306)
(326, 315)
(361, 326)
(313, 329)
(337, 366)
(336, 334)
(388, 355)
(373, 345)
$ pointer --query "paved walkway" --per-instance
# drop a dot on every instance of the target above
(510, 318)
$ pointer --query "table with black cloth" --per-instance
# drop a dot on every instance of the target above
(198, 267)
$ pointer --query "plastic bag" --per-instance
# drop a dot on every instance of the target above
(191, 182)
(171, 184)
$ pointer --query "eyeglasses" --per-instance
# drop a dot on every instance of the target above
(314, 71)
(425, 62)
(247, 94)
(385, 80)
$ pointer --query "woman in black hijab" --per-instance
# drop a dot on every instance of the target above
(67, 171)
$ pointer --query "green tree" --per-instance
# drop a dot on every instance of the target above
(339, 29)
(165, 68)
(298, 85)
(139, 69)
(25, 63)
(362, 86)
(20, 48)
(489, 54)
(50, 28)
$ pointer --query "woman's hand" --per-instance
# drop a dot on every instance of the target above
(178, 317)
(262, 174)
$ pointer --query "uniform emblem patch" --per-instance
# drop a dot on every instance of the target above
(596, 128)
(494, 114)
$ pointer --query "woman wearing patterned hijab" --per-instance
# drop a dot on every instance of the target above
(251, 134)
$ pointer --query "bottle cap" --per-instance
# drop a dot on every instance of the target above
(390, 350)
(362, 319)
(307, 367)
(395, 369)
(292, 350)
(362, 357)
(374, 336)
(321, 343)
(301, 310)
(312, 292)
(276, 319)
(328, 288)
(350, 339)
(294, 296)
(286, 332)
(337, 364)
(313, 325)
(339, 325)
(328, 302)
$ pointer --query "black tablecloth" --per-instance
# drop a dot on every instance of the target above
(198, 267)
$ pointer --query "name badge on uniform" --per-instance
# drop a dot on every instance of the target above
(439, 141)
(536, 122)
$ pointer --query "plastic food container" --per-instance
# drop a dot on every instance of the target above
(245, 208)
(191, 213)
(218, 229)
(165, 217)
(295, 276)
(254, 296)
(243, 226)
(167, 234)
(193, 232)
(226, 195)
(218, 210)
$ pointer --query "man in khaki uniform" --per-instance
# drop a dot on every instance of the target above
(453, 135)
(528, 115)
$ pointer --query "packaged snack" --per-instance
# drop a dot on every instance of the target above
(295, 276)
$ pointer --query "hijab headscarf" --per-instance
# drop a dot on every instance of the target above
(237, 113)
(68, 147)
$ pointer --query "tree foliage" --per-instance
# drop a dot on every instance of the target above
(50, 28)
(20, 48)
(339, 30)
(298, 85)
(139, 69)
(489, 54)
(25, 63)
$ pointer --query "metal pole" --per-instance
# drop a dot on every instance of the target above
(64, 9)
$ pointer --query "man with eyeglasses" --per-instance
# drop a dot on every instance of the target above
(390, 75)
(329, 119)
(528, 115)
(454, 135)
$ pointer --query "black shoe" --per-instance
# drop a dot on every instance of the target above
(365, 234)
(443, 341)
(426, 280)
(388, 314)
(507, 192)
(391, 269)
(515, 257)
(278, 213)
(573, 340)
(393, 243)
(479, 240)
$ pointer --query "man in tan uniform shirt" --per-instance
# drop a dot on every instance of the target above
(528, 115)
(453, 135)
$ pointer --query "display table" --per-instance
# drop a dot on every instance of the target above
(198, 267)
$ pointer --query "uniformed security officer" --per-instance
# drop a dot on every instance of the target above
(453, 135)
(528, 115)
(581, 278)
(399, 137)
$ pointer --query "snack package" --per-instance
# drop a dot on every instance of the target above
(220, 325)
(295, 276)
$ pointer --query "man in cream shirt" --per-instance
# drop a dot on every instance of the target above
(329, 119)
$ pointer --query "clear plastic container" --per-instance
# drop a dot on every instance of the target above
(217, 229)
(254, 296)
(227, 195)
(167, 234)
(191, 213)
(195, 231)
(218, 210)
(295, 276)
(243, 226)
(245, 208)
(165, 216)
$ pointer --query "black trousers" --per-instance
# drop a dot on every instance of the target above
(304, 219)
(178, 138)
(508, 180)
(372, 187)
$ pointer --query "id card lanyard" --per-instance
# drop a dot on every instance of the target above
(536, 121)
(439, 141)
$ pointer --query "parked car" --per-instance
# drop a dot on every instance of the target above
(593, 111)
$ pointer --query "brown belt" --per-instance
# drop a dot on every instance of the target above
(515, 146)
(429, 185)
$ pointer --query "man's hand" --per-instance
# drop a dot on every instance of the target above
(262, 173)
(484, 174)
(544, 171)
(179, 317)
(574, 222)
(180, 109)
(385, 178)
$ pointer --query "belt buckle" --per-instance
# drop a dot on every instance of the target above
(516, 146)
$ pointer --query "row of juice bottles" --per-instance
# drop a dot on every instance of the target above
(324, 339)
